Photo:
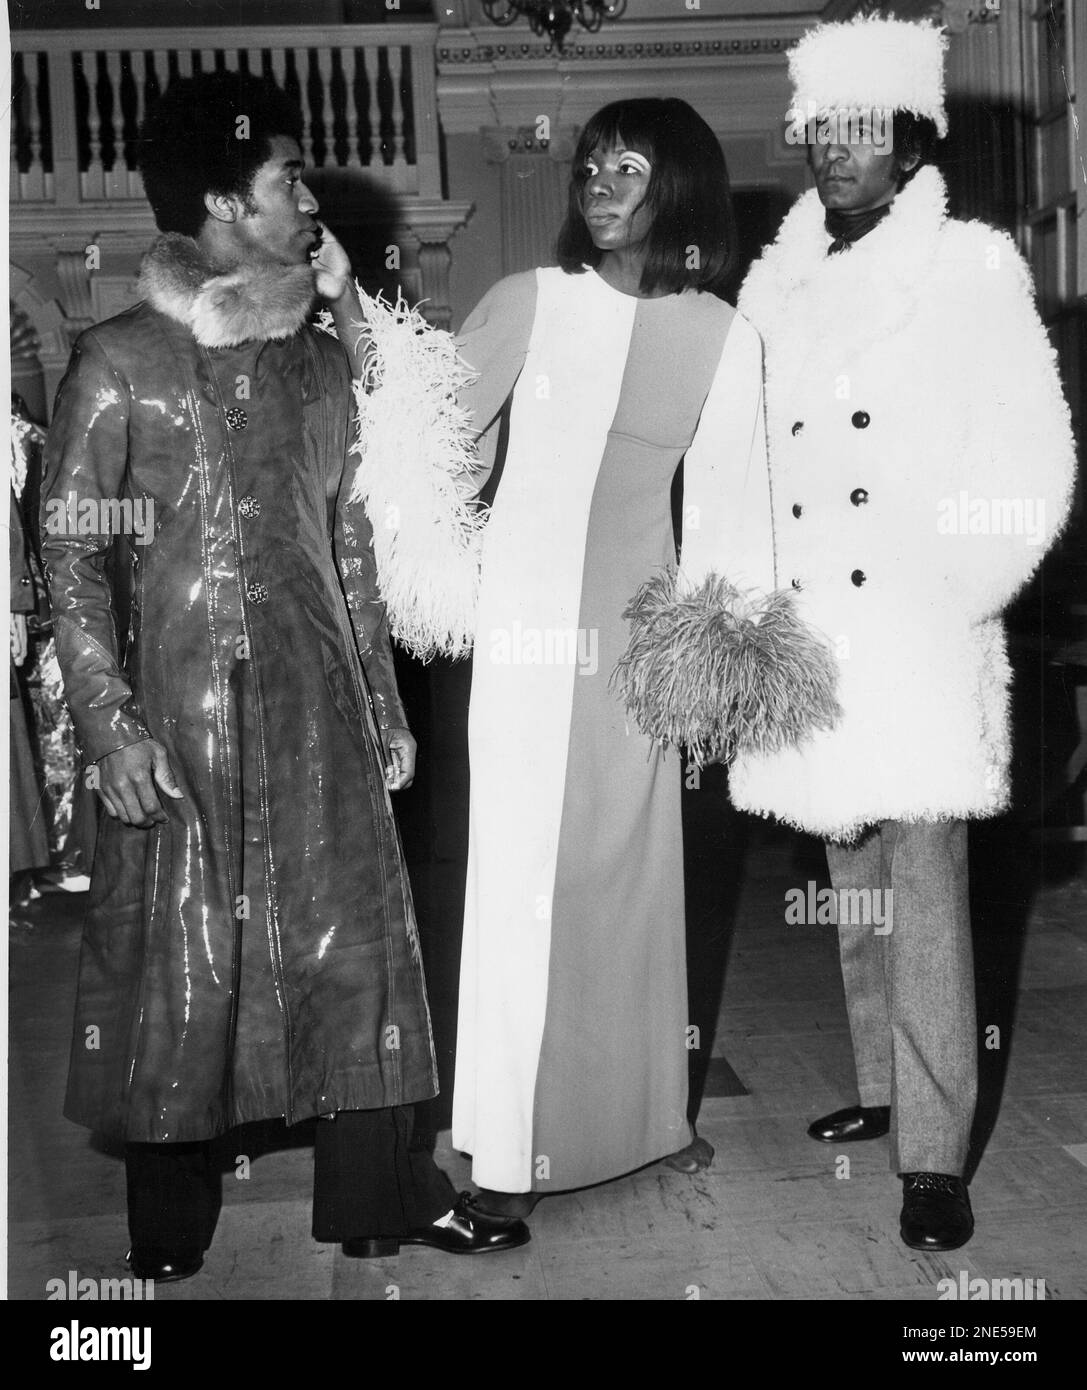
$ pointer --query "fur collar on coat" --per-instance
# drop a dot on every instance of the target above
(863, 295)
(252, 302)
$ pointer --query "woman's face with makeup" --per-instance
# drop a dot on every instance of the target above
(613, 198)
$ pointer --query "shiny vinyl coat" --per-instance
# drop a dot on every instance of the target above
(257, 955)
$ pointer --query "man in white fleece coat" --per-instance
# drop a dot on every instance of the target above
(921, 463)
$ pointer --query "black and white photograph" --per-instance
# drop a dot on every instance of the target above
(547, 756)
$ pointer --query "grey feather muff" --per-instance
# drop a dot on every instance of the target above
(718, 671)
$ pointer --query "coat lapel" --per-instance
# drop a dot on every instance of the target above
(820, 314)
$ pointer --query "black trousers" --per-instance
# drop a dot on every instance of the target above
(367, 1181)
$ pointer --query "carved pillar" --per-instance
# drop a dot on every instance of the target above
(434, 259)
(36, 377)
(428, 235)
(75, 284)
(534, 176)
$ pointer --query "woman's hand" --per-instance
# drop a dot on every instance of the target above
(332, 265)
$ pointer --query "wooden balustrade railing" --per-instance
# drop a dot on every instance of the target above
(367, 94)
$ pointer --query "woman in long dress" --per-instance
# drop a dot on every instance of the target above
(591, 654)
(618, 365)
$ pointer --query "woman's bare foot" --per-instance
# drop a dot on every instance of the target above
(698, 1154)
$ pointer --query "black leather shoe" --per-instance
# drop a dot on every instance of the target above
(853, 1123)
(936, 1211)
(164, 1266)
(470, 1231)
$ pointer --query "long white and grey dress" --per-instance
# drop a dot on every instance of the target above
(572, 1043)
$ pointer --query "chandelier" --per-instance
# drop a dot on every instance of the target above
(554, 17)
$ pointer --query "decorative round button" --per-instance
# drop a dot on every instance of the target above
(859, 496)
(861, 419)
(249, 508)
(798, 426)
(858, 577)
(797, 509)
(796, 583)
(257, 593)
(237, 419)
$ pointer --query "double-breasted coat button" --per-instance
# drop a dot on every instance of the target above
(256, 593)
(249, 508)
(23, 579)
(236, 419)
(858, 577)
(797, 509)
(859, 496)
(796, 583)
(861, 419)
(798, 426)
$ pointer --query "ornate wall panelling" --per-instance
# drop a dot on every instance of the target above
(534, 173)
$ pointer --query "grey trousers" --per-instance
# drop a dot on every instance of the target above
(910, 991)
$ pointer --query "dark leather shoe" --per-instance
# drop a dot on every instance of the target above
(164, 1266)
(936, 1211)
(470, 1231)
(853, 1123)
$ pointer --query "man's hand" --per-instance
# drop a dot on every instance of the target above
(400, 751)
(332, 266)
(18, 638)
(336, 284)
(127, 782)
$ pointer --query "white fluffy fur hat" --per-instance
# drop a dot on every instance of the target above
(890, 64)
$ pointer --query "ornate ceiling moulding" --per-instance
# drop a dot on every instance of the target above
(958, 15)
(500, 144)
(730, 70)
(955, 15)
(481, 50)
(554, 18)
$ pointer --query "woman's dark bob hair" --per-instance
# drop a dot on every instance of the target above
(692, 239)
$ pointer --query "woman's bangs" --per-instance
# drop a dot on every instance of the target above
(619, 125)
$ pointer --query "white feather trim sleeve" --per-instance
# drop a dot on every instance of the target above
(417, 458)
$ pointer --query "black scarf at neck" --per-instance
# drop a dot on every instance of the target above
(848, 227)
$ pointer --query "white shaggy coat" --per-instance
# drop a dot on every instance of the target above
(911, 388)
